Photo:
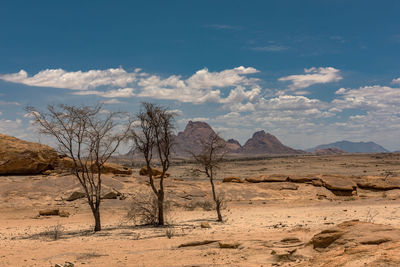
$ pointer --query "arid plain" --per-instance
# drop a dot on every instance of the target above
(270, 219)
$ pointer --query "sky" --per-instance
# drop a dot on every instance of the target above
(309, 72)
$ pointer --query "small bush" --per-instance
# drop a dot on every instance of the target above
(54, 232)
(205, 205)
(144, 209)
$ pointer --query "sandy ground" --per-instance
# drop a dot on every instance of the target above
(258, 216)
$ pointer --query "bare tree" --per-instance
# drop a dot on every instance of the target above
(89, 137)
(154, 137)
(209, 159)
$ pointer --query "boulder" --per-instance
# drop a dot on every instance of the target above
(67, 164)
(232, 179)
(205, 225)
(50, 212)
(76, 195)
(111, 195)
(326, 237)
(228, 244)
(116, 169)
(340, 186)
(18, 157)
(155, 172)
(63, 213)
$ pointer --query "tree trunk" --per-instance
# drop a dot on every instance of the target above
(218, 206)
(160, 208)
(217, 201)
(97, 223)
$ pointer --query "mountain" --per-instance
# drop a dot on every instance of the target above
(261, 143)
(195, 132)
(266, 143)
(233, 145)
(352, 147)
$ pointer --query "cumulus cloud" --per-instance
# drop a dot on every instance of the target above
(122, 93)
(396, 80)
(313, 76)
(78, 80)
(203, 86)
(369, 98)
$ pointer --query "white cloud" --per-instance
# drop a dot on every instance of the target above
(10, 127)
(122, 93)
(231, 77)
(369, 98)
(396, 80)
(112, 101)
(203, 86)
(312, 76)
(78, 80)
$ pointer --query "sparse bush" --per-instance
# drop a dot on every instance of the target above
(54, 232)
(205, 205)
(144, 209)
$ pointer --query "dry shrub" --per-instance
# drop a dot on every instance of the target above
(53, 232)
(205, 205)
(143, 209)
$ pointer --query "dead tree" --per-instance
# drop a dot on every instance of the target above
(209, 159)
(154, 139)
(89, 137)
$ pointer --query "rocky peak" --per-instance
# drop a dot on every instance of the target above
(263, 142)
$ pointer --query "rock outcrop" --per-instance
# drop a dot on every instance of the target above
(155, 172)
(66, 164)
(356, 243)
(19, 157)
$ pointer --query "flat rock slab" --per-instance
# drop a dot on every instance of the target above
(280, 186)
(273, 178)
(233, 179)
(303, 179)
(354, 233)
(379, 184)
(197, 243)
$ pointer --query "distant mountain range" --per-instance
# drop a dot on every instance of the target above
(352, 147)
(260, 143)
(195, 132)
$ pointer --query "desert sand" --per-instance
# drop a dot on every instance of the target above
(266, 224)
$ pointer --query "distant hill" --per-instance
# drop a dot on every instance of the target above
(329, 151)
(266, 143)
(352, 147)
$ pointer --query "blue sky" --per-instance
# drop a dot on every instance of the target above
(309, 72)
